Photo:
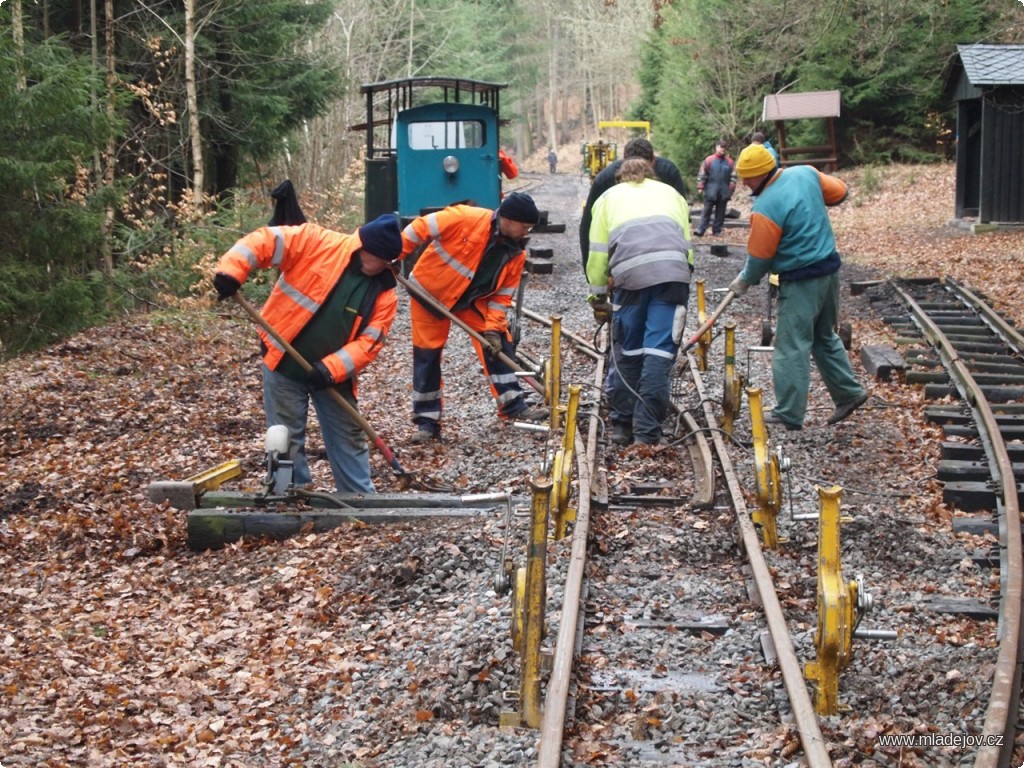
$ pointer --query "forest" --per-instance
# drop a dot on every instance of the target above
(142, 138)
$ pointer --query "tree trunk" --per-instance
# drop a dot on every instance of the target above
(109, 152)
(18, 32)
(552, 82)
(192, 103)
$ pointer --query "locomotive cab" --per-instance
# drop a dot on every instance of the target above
(431, 142)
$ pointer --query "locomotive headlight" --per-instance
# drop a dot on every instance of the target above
(450, 164)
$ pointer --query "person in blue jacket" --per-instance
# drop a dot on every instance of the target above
(717, 180)
(791, 235)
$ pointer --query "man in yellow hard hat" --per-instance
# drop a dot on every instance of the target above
(791, 235)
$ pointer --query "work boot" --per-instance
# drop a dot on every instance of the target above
(771, 418)
(844, 410)
(532, 413)
(657, 441)
(622, 434)
(425, 434)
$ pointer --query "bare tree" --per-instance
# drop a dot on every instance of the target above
(192, 104)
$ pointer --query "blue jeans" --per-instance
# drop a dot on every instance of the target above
(644, 356)
(287, 402)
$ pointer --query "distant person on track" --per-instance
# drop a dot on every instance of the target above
(472, 264)
(334, 302)
(791, 235)
(664, 171)
(552, 161)
(640, 248)
(759, 138)
(716, 179)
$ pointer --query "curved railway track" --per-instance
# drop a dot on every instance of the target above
(971, 340)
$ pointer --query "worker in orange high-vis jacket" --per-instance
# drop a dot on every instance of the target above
(334, 301)
(471, 264)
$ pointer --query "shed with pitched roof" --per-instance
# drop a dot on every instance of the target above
(989, 93)
(824, 105)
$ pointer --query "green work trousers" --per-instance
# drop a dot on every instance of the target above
(808, 312)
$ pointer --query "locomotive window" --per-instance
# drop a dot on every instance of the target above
(451, 134)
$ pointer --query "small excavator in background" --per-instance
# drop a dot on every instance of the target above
(598, 155)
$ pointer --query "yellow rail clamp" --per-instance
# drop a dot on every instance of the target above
(212, 479)
(767, 474)
(837, 605)
(562, 468)
(732, 385)
(554, 388)
(704, 343)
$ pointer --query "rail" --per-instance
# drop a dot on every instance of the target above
(1001, 712)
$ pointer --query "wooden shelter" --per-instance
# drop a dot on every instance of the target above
(823, 105)
(989, 93)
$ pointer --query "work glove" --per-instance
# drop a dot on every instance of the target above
(602, 309)
(226, 286)
(678, 324)
(738, 286)
(492, 343)
(319, 377)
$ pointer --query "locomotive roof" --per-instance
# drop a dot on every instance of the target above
(458, 83)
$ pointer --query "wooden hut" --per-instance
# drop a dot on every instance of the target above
(821, 105)
(989, 93)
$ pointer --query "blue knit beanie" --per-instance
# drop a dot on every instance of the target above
(382, 237)
(519, 206)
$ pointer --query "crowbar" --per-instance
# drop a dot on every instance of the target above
(350, 409)
(433, 303)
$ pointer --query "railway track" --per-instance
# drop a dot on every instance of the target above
(647, 691)
(673, 608)
(377, 645)
(968, 353)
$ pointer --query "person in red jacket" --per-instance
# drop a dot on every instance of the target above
(716, 180)
(472, 262)
(334, 301)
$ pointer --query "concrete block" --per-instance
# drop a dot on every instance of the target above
(182, 495)
(539, 267)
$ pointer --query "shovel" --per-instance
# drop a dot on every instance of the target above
(406, 477)
(426, 298)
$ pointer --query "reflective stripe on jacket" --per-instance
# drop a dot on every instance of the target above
(458, 239)
(312, 259)
(640, 235)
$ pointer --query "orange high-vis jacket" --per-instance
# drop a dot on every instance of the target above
(507, 165)
(312, 259)
(458, 238)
